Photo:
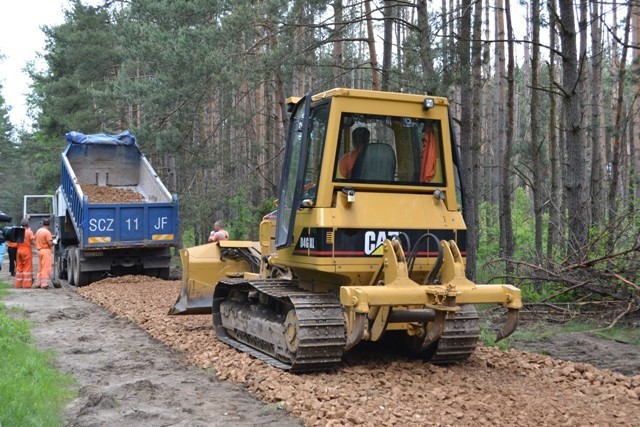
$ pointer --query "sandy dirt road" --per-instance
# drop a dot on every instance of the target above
(588, 348)
(125, 376)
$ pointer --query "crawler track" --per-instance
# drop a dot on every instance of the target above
(280, 323)
(460, 337)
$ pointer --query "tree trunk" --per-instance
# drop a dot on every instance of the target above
(536, 143)
(425, 48)
(489, 122)
(454, 11)
(445, 38)
(338, 45)
(506, 227)
(466, 143)
(500, 101)
(597, 175)
(631, 162)
(635, 143)
(583, 74)
(476, 132)
(619, 132)
(372, 47)
(399, 14)
(387, 42)
(555, 196)
(576, 203)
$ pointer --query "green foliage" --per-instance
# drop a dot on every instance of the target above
(489, 242)
(32, 392)
(188, 238)
(8, 150)
(81, 57)
(621, 334)
(488, 338)
(6, 128)
(244, 219)
(32, 167)
(530, 294)
(489, 269)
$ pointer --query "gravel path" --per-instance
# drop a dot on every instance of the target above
(374, 388)
(127, 377)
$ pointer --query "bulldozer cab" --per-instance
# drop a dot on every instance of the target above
(345, 143)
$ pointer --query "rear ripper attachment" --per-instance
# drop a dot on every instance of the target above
(440, 319)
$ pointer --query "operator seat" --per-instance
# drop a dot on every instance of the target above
(376, 163)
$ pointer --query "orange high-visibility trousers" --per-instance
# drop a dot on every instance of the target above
(24, 268)
(44, 269)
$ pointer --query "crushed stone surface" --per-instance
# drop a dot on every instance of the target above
(372, 387)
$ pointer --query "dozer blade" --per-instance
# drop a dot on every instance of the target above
(204, 266)
(195, 298)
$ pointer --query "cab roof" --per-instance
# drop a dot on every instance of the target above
(371, 94)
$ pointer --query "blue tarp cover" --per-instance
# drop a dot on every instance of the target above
(125, 138)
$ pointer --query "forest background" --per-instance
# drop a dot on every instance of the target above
(547, 122)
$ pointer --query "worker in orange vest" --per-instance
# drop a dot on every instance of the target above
(429, 158)
(44, 244)
(346, 163)
(24, 273)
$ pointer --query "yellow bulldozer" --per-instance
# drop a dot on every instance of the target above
(368, 239)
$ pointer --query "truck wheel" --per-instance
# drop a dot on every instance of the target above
(96, 276)
(61, 272)
(71, 265)
(150, 272)
(64, 268)
(163, 273)
(58, 274)
(80, 278)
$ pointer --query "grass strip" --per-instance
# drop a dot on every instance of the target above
(32, 391)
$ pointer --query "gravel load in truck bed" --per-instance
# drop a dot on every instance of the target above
(106, 194)
(372, 387)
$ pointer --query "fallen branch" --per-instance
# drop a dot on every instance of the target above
(615, 321)
(567, 290)
(591, 262)
(628, 282)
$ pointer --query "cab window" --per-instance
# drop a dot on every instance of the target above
(389, 150)
(315, 146)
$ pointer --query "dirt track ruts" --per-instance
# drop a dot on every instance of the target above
(126, 377)
(492, 388)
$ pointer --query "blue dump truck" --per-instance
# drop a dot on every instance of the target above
(113, 215)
